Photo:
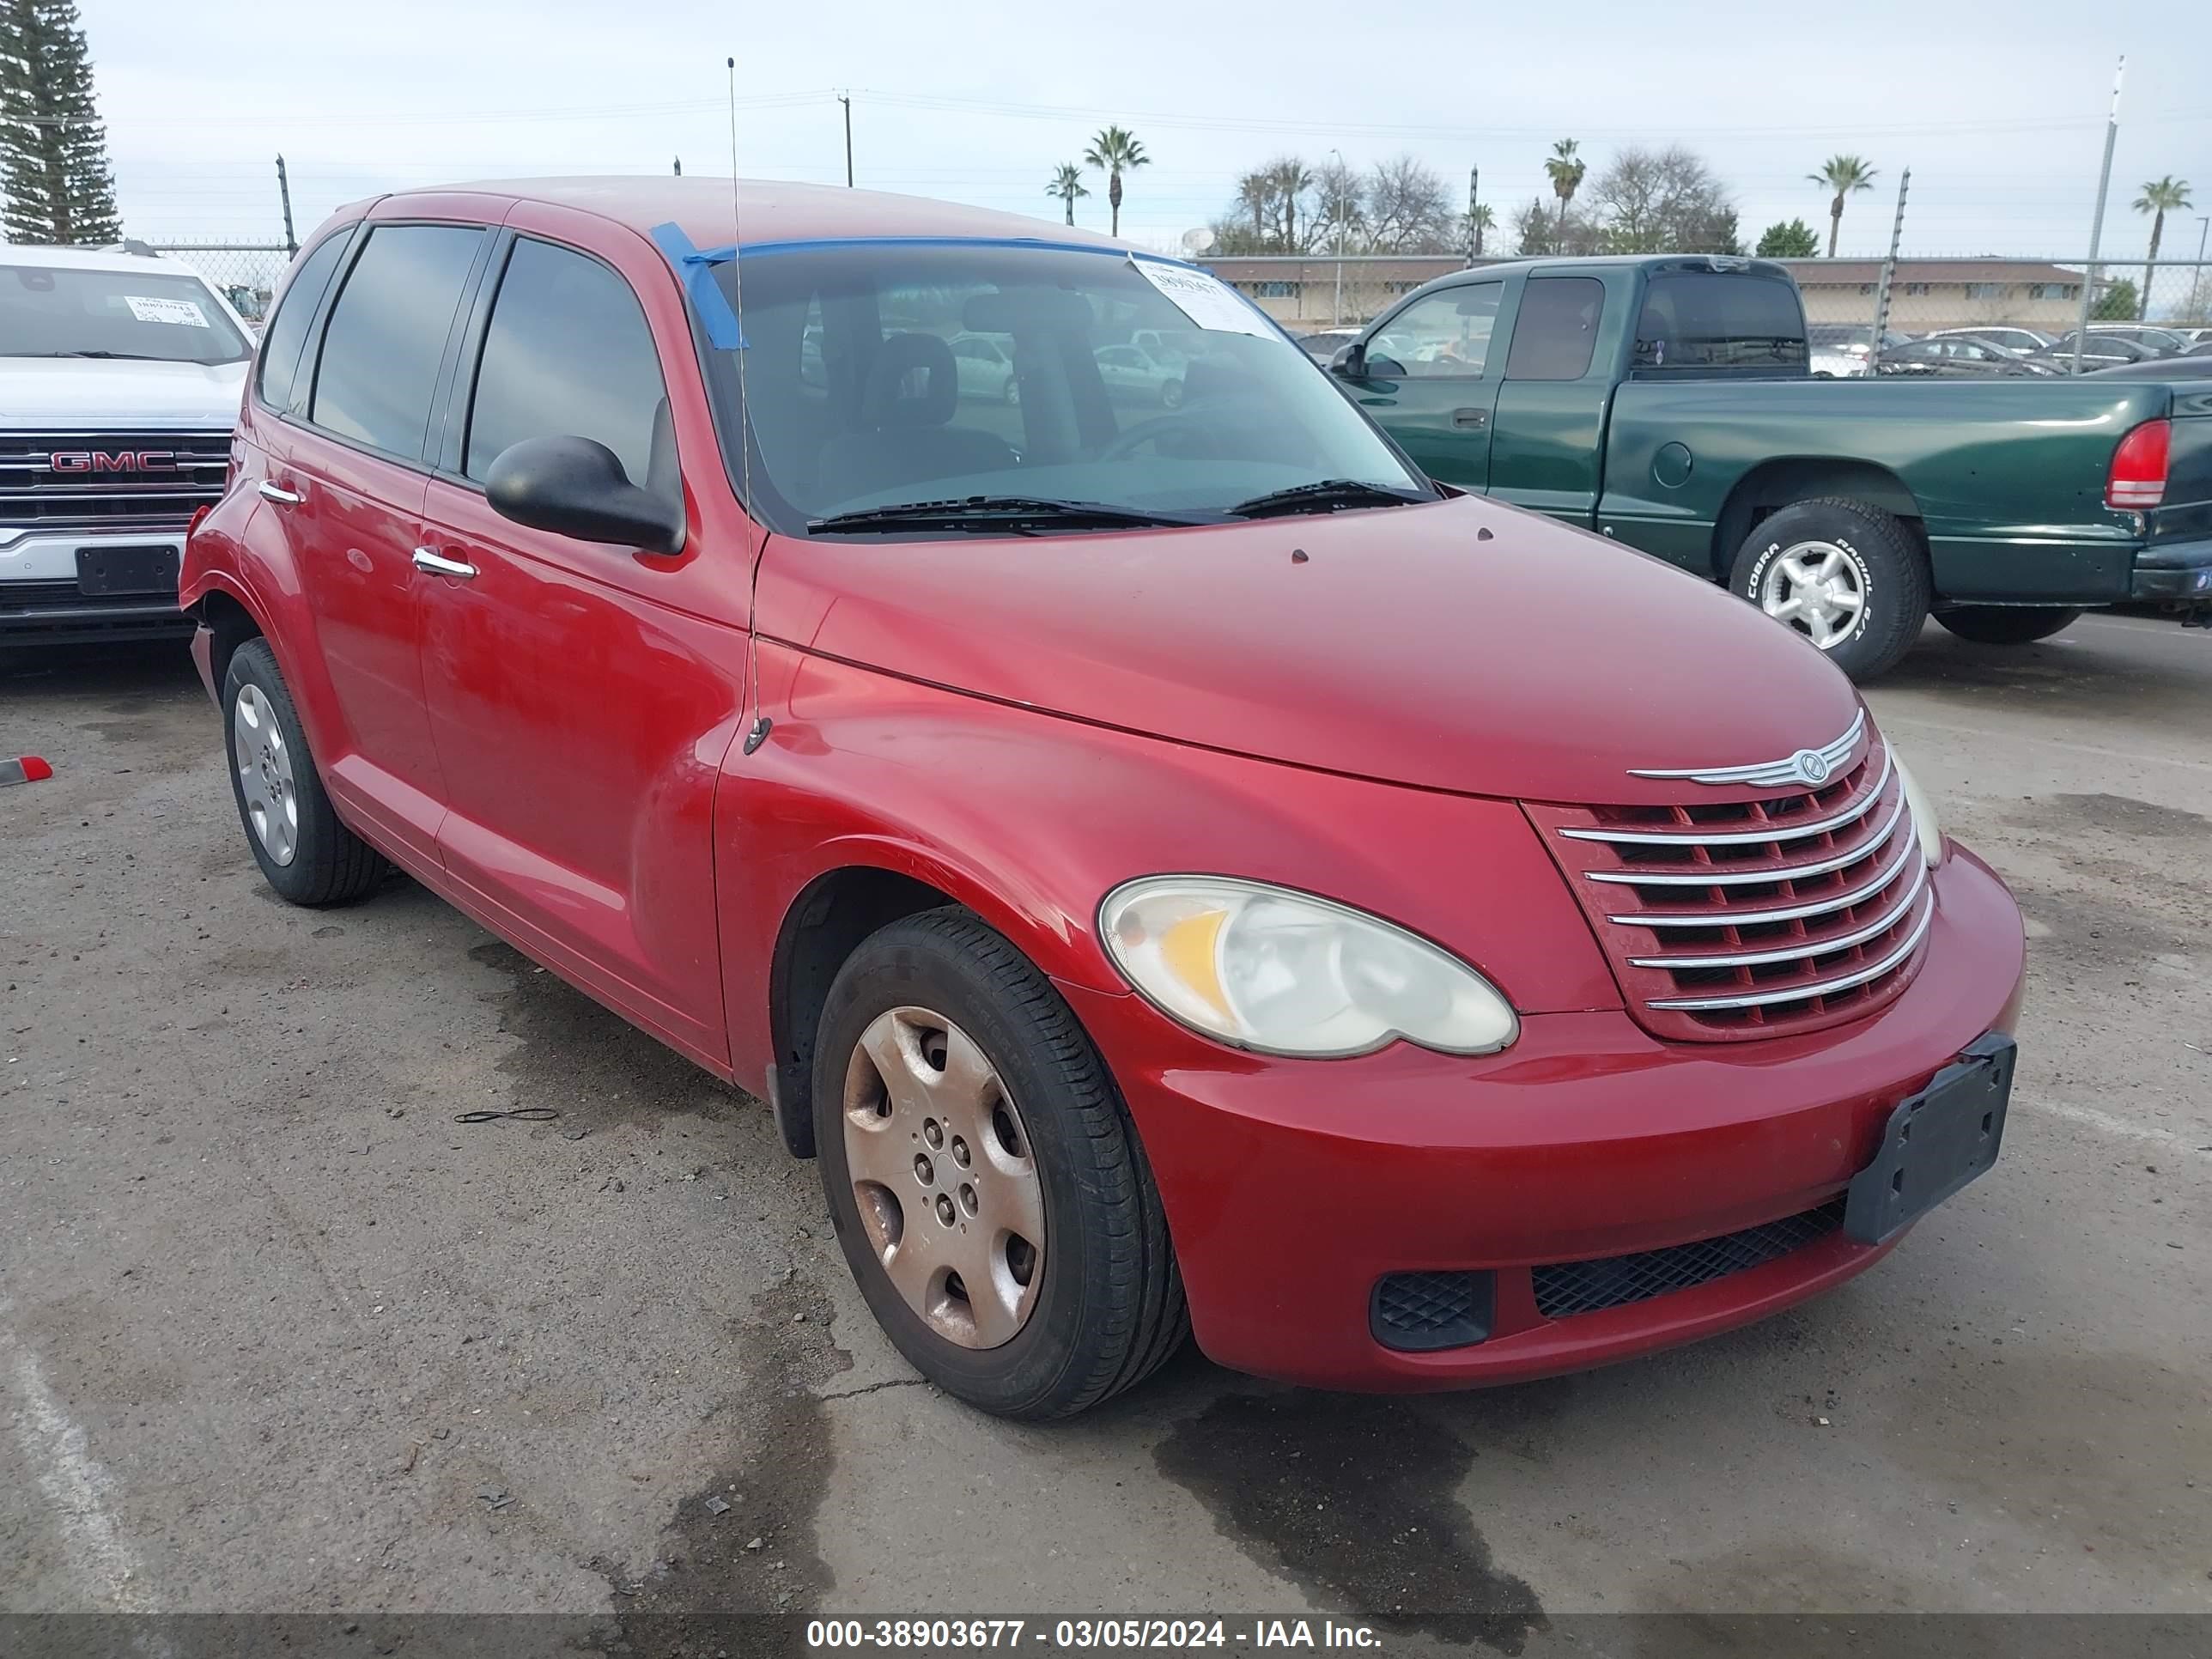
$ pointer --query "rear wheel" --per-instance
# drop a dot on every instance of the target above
(1846, 576)
(2008, 624)
(983, 1178)
(305, 853)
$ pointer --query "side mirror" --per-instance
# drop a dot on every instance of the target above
(577, 487)
(1350, 363)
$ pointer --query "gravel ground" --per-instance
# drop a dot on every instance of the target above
(276, 1334)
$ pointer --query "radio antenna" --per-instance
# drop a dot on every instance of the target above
(756, 733)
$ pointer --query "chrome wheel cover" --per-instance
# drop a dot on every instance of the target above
(1816, 588)
(265, 778)
(944, 1177)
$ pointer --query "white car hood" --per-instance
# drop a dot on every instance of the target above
(81, 393)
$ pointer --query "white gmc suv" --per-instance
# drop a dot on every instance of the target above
(120, 375)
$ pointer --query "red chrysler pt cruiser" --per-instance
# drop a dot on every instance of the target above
(1173, 867)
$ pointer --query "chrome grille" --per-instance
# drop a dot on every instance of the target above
(35, 495)
(1779, 913)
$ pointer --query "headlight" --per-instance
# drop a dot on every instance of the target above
(1285, 973)
(1922, 810)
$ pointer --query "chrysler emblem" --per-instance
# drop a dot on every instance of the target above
(1811, 765)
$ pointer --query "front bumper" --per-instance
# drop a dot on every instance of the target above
(2172, 570)
(1293, 1188)
(42, 603)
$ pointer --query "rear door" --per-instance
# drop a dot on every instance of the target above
(346, 480)
(582, 696)
(1547, 446)
(1431, 379)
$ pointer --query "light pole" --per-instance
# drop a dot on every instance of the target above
(1336, 207)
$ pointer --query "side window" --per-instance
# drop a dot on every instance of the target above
(387, 335)
(288, 329)
(566, 354)
(1446, 335)
(1556, 331)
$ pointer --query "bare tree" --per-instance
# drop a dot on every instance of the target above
(1339, 218)
(1663, 201)
(1409, 208)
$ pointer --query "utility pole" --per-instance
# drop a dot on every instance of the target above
(679, 166)
(1474, 226)
(1336, 207)
(284, 195)
(1888, 275)
(2097, 225)
(846, 99)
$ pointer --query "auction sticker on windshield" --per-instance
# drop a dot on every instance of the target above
(1204, 299)
(186, 312)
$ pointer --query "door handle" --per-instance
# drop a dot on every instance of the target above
(429, 559)
(1473, 420)
(278, 493)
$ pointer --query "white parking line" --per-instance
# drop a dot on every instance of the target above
(2014, 736)
(2105, 1123)
(73, 1481)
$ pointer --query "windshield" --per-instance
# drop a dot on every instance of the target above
(164, 316)
(885, 373)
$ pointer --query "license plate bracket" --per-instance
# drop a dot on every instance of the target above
(112, 572)
(1936, 1142)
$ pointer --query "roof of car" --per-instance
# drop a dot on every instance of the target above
(86, 259)
(772, 210)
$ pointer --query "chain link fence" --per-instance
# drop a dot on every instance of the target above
(247, 272)
(1926, 293)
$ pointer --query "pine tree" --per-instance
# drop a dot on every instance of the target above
(53, 151)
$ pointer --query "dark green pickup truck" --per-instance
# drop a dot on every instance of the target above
(1667, 402)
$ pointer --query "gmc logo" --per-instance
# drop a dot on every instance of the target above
(112, 460)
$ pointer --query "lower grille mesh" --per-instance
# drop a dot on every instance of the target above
(1420, 1312)
(1578, 1287)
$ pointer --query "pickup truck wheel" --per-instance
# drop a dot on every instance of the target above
(983, 1176)
(1847, 576)
(2008, 624)
(305, 853)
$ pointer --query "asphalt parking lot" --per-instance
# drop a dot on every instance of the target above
(277, 1333)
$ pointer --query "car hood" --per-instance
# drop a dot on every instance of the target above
(1537, 661)
(38, 393)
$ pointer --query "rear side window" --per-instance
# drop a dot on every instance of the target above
(1557, 329)
(1720, 320)
(566, 354)
(387, 335)
(288, 329)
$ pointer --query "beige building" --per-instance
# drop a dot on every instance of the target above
(1318, 291)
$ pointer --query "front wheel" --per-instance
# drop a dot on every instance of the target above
(2008, 624)
(1172, 395)
(305, 853)
(984, 1178)
(1846, 576)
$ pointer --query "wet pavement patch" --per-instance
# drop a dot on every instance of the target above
(1355, 1499)
(745, 1544)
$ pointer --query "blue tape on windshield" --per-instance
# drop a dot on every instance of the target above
(695, 268)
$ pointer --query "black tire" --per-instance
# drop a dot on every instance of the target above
(1172, 395)
(2008, 624)
(1013, 392)
(1887, 562)
(330, 864)
(1110, 1308)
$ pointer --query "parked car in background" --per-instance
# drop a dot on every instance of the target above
(1665, 401)
(2142, 334)
(2021, 340)
(1133, 374)
(1958, 356)
(1324, 344)
(1827, 364)
(119, 381)
(1849, 339)
(2192, 366)
(1168, 345)
(1517, 981)
(985, 367)
(2097, 350)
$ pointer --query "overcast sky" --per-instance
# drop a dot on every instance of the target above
(1999, 111)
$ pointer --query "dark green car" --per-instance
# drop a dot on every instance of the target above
(1666, 402)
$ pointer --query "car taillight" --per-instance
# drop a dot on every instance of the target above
(2137, 479)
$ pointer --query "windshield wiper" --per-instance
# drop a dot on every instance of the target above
(1326, 496)
(119, 356)
(1022, 515)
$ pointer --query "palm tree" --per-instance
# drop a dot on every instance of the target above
(1566, 171)
(2159, 198)
(1068, 184)
(1844, 174)
(1116, 151)
(1293, 179)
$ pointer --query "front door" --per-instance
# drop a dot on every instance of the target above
(1548, 452)
(347, 487)
(582, 696)
(1430, 382)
